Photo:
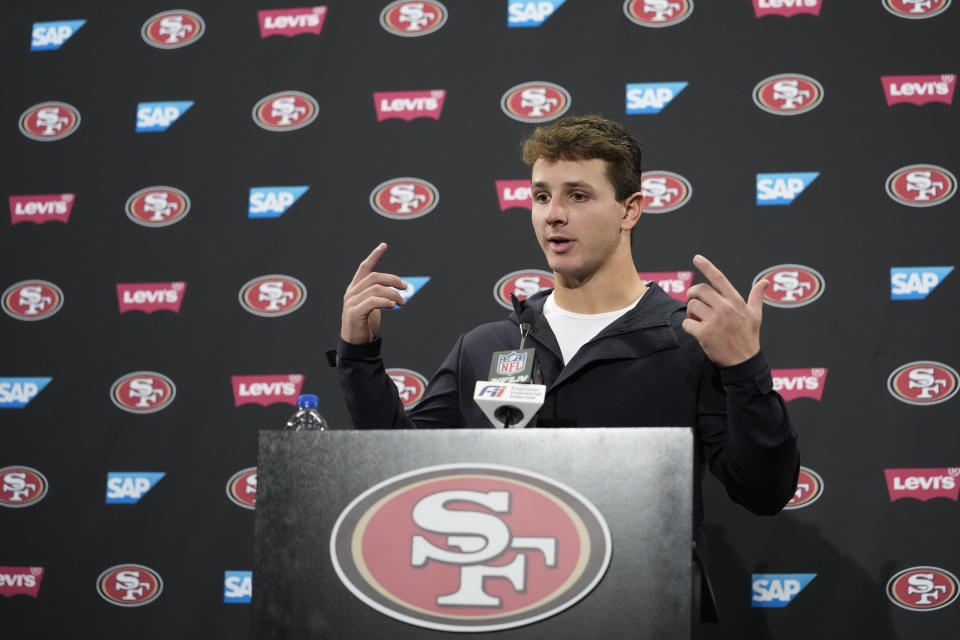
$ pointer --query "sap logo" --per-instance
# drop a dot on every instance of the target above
(778, 589)
(782, 188)
(51, 35)
(273, 202)
(414, 284)
(915, 283)
(237, 586)
(651, 97)
(16, 393)
(127, 487)
(530, 14)
(158, 116)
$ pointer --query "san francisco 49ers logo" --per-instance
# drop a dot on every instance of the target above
(664, 191)
(923, 382)
(809, 489)
(411, 19)
(172, 29)
(420, 546)
(272, 296)
(658, 13)
(535, 101)
(923, 588)
(143, 392)
(791, 285)
(129, 585)
(32, 300)
(404, 198)
(158, 206)
(21, 487)
(410, 386)
(285, 111)
(49, 121)
(242, 488)
(916, 9)
(921, 185)
(522, 284)
(788, 94)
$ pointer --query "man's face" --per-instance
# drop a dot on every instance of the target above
(576, 215)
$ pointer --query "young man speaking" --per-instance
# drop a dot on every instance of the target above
(612, 350)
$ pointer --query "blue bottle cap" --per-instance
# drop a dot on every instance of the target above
(308, 401)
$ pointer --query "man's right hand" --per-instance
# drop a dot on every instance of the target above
(367, 293)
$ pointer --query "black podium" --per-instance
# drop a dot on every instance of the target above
(527, 533)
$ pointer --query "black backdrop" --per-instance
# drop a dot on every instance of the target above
(845, 226)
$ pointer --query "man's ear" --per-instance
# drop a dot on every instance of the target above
(633, 208)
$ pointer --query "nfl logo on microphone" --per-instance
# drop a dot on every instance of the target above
(511, 363)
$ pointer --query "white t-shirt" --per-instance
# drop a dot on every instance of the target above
(573, 330)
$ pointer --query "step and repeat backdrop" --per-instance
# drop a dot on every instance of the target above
(191, 188)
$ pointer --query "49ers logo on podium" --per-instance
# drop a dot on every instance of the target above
(664, 191)
(522, 284)
(158, 206)
(272, 296)
(411, 19)
(404, 198)
(129, 585)
(32, 300)
(410, 385)
(420, 547)
(143, 392)
(791, 285)
(916, 9)
(657, 13)
(21, 487)
(809, 489)
(923, 382)
(242, 488)
(923, 588)
(172, 29)
(535, 101)
(285, 111)
(788, 94)
(921, 185)
(49, 121)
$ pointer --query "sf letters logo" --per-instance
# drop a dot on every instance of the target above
(474, 540)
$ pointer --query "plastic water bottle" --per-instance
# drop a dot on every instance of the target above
(307, 418)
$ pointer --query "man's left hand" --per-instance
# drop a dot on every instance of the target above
(726, 327)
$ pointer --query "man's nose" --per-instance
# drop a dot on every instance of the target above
(556, 213)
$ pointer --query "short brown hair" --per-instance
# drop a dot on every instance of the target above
(586, 138)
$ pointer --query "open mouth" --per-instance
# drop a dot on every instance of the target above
(560, 245)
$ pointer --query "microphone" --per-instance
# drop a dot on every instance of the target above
(513, 394)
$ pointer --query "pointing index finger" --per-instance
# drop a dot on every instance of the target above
(370, 262)
(716, 278)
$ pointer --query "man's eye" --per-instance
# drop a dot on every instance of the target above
(579, 196)
(541, 197)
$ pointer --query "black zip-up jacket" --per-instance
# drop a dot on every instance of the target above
(641, 370)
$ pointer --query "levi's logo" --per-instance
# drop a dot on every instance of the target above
(291, 22)
(514, 193)
(40, 209)
(151, 296)
(20, 581)
(923, 484)
(919, 89)
(266, 389)
(799, 383)
(786, 8)
(407, 105)
(673, 283)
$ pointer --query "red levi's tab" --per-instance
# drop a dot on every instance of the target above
(786, 8)
(514, 193)
(408, 105)
(291, 22)
(923, 484)
(20, 581)
(151, 296)
(266, 390)
(799, 383)
(919, 90)
(40, 209)
(673, 283)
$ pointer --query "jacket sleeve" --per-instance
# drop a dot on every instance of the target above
(747, 437)
(374, 402)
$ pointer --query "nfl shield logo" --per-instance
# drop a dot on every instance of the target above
(511, 363)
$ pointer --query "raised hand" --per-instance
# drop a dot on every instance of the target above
(366, 294)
